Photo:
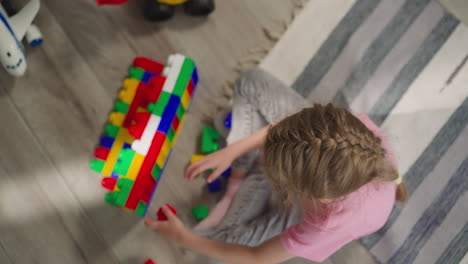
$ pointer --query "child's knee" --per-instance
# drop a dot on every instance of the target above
(250, 83)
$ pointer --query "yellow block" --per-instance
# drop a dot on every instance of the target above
(122, 137)
(178, 129)
(172, 2)
(129, 89)
(185, 99)
(116, 118)
(135, 167)
(166, 148)
(196, 158)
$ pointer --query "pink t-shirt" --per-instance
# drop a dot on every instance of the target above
(359, 214)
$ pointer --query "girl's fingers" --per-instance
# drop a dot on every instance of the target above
(168, 212)
(215, 174)
(191, 168)
(152, 224)
(198, 170)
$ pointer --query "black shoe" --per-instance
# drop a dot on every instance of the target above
(155, 11)
(199, 7)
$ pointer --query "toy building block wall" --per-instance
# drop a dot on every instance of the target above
(143, 128)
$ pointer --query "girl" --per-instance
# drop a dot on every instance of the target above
(332, 171)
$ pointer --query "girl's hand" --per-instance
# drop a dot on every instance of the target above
(219, 160)
(172, 229)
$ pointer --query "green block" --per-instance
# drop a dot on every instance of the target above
(136, 73)
(170, 134)
(125, 186)
(210, 138)
(125, 160)
(97, 165)
(180, 112)
(200, 212)
(158, 107)
(121, 107)
(156, 173)
(141, 208)
(184, 77)
(124, 183)
(111, 198)
(111, 130)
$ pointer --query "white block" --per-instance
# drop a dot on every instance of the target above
(142, 146)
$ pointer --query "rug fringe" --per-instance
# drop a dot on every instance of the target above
(254, 57)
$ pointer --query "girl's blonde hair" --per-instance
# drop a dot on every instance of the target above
(324, 152)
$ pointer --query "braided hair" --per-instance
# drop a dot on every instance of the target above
(323, 152)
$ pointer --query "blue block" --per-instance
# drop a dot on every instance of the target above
(195, 77)
(228, 121)
(169, 113)
(127, 145)
(147, 76)
(215, 186)
(115, 175)
(106, 142)
(226, 173)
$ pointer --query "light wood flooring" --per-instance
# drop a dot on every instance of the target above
(51, 204)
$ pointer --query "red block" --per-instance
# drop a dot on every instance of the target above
(156, 85)
(108, 183)
(162, 216)
(148, 65)
(101, 153)
(141, 120)
(138, 100)
(190, 87)
(111, 2)
(145, 180)
(150, 261)
(175, 123)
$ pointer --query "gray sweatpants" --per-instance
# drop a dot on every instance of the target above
(259, 99)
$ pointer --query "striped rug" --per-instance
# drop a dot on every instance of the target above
(404, 63)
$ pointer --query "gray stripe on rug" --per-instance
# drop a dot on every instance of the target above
(453, 224)
(426, 163)
(413, 68)
(421, 199)
(457, 248)
(398, 57)
(343, 65)
(332, 47)
(387, 39)
(433, 216)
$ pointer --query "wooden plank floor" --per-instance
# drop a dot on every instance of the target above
(51, 205)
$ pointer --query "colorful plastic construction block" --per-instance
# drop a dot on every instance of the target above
(196, 158)
(200, 212)
(215, 186)
(145, 123)
(226, 173)
(210, 138)
(228, 121)
(162, 216)
(150, 261)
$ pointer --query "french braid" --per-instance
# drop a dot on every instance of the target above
(323, 152)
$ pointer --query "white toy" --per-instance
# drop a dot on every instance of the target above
(12, 31)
